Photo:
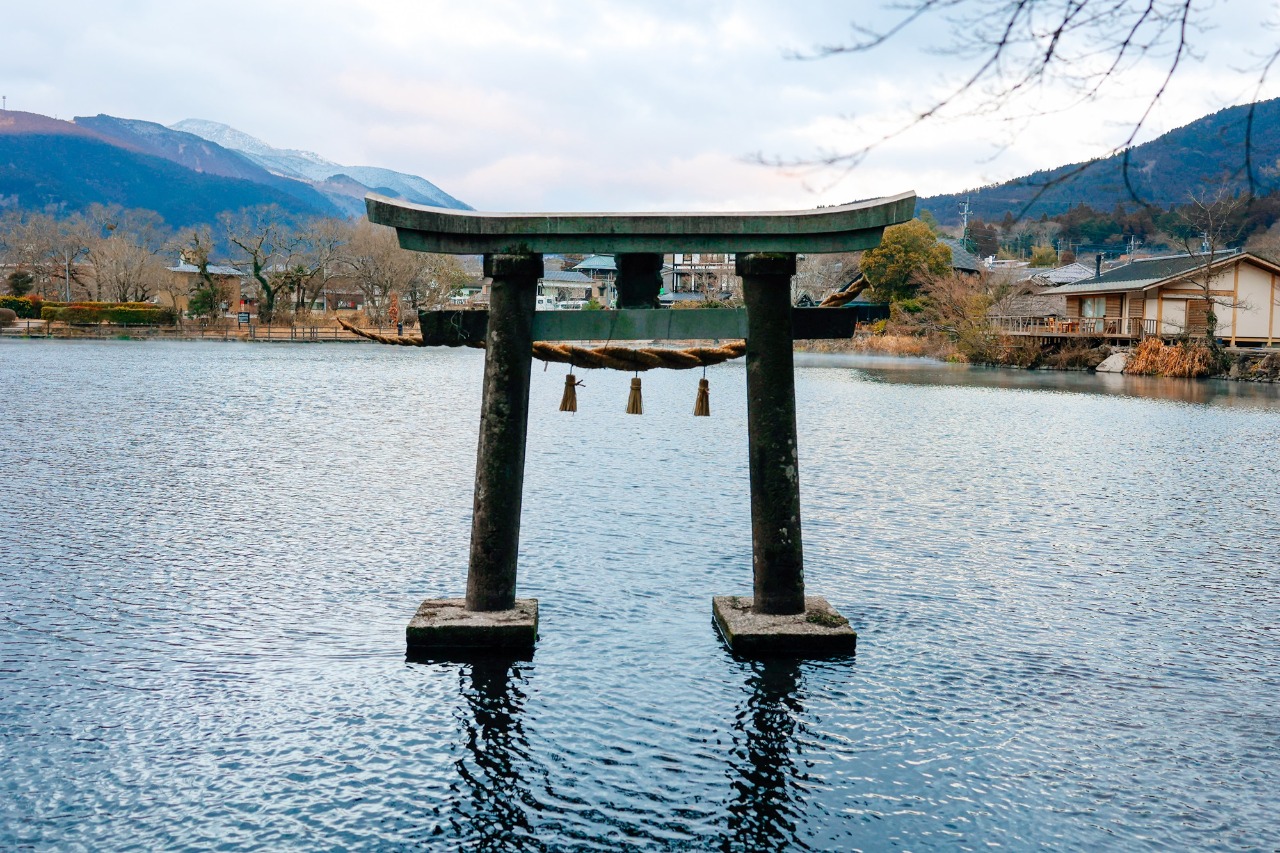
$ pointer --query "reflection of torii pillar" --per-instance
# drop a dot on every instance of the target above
(778, 617)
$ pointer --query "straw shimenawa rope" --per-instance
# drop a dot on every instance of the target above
(609, 357)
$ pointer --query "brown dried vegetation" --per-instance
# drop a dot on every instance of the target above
(1185, 359)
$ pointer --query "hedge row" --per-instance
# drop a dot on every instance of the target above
(24, 306)
(123, 314)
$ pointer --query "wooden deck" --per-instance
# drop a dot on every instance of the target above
(1119, 328)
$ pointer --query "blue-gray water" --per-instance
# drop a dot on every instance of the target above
(1065, 588)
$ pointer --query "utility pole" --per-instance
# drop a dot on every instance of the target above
(965, 212)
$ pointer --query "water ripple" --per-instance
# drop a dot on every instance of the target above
(1065, 589)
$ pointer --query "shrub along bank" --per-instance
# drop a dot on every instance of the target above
(116, 313)
(26, 307)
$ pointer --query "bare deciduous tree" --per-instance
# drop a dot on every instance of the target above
(379, 267)
(49, 248)
(1213, 223)
(263, 238)
(124, 249)
(818, 275)
(209, 294)
(314, 258)
(956, 306)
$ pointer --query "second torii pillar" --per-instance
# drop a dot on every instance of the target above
(778, 618)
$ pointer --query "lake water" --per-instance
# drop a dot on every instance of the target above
(1065, 588)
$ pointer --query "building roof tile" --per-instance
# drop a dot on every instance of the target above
(565, 277)
(1141, 274)
(605, 263)
(961, 259)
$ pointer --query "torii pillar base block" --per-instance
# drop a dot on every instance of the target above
(819, 631)
(447, 624)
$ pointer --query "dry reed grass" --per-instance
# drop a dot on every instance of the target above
(907, 345)
(1187, 360)
(879, 344)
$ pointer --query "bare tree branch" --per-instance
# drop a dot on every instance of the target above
(1013, 50)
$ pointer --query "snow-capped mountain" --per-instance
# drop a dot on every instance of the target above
(312, 168)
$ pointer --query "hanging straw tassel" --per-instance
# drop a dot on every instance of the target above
(569, 402)
(702, 405)
(635, 405)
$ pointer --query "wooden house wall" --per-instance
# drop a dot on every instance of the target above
(1198, 316)
(1254, 298)
(1115, 305)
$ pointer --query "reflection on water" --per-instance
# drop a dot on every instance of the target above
(768, 798)
(498, 800)
(924, 371)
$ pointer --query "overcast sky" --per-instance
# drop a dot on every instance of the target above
(563, 105)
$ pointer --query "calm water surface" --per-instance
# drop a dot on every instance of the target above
(1065, 587)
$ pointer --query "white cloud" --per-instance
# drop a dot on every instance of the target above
(575, 105)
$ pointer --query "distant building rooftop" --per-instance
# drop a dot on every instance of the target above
(214, 269)
(1140, 274)
(961, 259)
(602, 263)
(566, 277)
(1065, 274)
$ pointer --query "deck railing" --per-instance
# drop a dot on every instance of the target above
(1096, 327)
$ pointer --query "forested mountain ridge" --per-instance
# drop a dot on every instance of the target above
(1208, 153)
(195, 153)
(46, 164)
(64, 167)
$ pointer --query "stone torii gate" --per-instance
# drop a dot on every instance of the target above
(778, 617)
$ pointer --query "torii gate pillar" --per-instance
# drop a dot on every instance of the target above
(491, 617)
(777, 555)
(504, 425)
(778, 618)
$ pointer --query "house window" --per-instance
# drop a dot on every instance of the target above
(1093, 306)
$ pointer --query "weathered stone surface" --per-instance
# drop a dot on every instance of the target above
(445, 623)
(772, 456)
(819, 630)
(504, 423)
(1114, 363)
(639, 280)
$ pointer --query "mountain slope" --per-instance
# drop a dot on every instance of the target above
(199, 155)
(307, 165)
(45, 163)
(1204, 154)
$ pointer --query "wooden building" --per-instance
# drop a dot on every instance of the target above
(1168, 297)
